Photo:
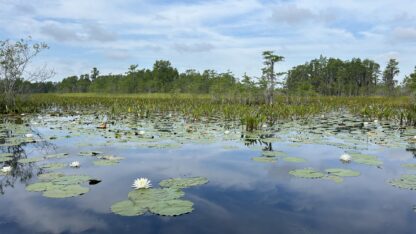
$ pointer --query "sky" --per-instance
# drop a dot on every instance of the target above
(227, 35)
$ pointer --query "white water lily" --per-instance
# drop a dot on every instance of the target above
(74, 164)
(141, 132)
(141, 183)
(365, 123)
(345, 158)
(264, 126)
(29, 135)
(226, 132)
(414, 138)
(6, 169)
(375, 121)
(322, 116)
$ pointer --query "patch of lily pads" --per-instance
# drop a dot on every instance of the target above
(107, 160)
(294, 159)
(57, 185)
(333, 174)
(5, 157)
(165, 201)
(404, 182)
(365, 159)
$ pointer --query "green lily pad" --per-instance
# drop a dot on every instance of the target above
(264, 159)
(336, 179)
(127, 208)
(365, 159)
(102, 162)
(155, 194)
(41, 186)
(172, 207)
(183, 182)
(49, 176)
(60, 155)
(342, 172)
(404, 182)
(294, 159)
(71, 179)
(307, 173)
(72, 190)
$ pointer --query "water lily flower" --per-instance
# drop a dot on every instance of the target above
(322, 116)
(264, 126)
(141, 132)
(375, 121)
(141, 183)
(345, 158)
(29, 135)
(365, 123)
(6, 169)
(414, 138)
(74, 164)
(226, 132)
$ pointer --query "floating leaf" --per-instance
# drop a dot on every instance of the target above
(404, 182)
(294, 159)
(90, 153)
(41, 186)
(49, 176)
(60, 155)
(66, 191)
(342, 172)
(71, 179)
(172, 207)
(307, 173)
(155, 194)
(183, 182)
(336, 179)
(127, 208)
(365, 159)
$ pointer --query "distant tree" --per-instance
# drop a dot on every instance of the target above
(409, 82)
(15, 58)
(269, 60)
(389, 73)
(94, 73)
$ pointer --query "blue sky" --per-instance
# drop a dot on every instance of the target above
(220, 35)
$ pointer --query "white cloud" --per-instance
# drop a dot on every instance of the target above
(220, 35)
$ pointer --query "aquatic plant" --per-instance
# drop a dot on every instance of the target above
(141, 183)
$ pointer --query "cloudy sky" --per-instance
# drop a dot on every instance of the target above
(220, 35)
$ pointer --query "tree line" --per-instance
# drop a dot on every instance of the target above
(320, 76)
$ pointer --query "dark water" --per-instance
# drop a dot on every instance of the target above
(242, 196)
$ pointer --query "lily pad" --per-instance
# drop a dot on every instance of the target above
(60, 155)
(365, 159)
(127, 208)
(49, 176)
(90, 153)
(39, 187)
(294, 159)
(172, 207)
(307, 173)
(180, 183)
(155, 194)
(336, 179)
(404, 182)
(342, 172)
(72, 190)
(71, 179)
